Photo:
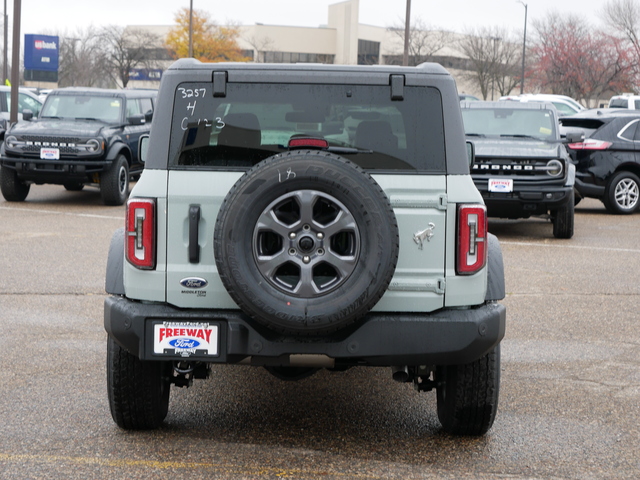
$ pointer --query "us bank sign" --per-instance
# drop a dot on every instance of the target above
(41, 52)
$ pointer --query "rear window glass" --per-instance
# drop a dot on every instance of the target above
(255, 121)
(587, 125)
(618, 103)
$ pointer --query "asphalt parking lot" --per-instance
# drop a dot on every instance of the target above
(570, 396)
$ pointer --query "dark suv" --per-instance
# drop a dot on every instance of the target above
(521, 168)
(298, 217)
(82, 136)
(608, 160)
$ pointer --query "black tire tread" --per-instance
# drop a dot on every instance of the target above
(13, 189)
(109, 183)
(563, 220)
(472, 396)
(137, 397)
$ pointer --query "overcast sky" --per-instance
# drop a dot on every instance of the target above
(47, 16)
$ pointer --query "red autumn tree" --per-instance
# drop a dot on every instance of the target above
(571, 58)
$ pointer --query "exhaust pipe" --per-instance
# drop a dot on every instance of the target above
(400, 374)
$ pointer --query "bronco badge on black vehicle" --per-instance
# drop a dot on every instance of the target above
(299, 217)
(522, 168)
(83, 136)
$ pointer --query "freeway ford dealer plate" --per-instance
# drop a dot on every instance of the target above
(50, 153)
(185, 339)
(501, 185)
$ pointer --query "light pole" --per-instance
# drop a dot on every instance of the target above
(190, 28)
(407, 31)
(4, 53)
(524, 47)
(15, 61)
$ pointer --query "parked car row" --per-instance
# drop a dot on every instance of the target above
(531, 160)
(81, 136)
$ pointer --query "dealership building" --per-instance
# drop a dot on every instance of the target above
(342, 41)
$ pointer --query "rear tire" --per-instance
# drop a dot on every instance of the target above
(622, 195)
(13, 189)
(114, 182)
(468, 395)
(138, 390)
(563, 220)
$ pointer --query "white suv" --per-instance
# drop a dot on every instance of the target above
(626, 101)
(565, 105)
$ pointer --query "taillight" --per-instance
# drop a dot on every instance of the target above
(590, 144)
(472, 239)
(140, 229)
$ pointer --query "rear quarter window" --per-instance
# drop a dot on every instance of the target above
(254, 121)
(588, 125)
(618, 103)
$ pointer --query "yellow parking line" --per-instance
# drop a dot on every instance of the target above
(237, 469)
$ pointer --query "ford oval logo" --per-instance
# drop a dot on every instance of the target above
(194, 282)
(184, 343)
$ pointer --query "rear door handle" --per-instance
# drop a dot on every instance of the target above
(194, 226)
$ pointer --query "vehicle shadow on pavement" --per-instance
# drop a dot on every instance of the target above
(361, 413)
(57, 195)
(532, 228)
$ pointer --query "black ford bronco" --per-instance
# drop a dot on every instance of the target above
(522, 168)
(83, 136)
(298, 217)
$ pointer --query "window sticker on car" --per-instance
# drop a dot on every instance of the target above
(501, 185)
(185, 339)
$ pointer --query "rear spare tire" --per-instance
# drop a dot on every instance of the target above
(306, 242)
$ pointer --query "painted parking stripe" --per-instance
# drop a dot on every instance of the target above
(231, 468)
(579, 247)
(53, 212)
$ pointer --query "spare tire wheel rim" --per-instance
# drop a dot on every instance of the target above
(306, 243)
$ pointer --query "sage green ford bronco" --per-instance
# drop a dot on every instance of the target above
(298, 217)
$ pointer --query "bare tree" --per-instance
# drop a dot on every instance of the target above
(125, 49)
(493, 58)
(623, 16)
(424, 41)
(82, 60)
(261, 45)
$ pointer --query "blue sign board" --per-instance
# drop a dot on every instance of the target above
(41, 52)
(148, 74)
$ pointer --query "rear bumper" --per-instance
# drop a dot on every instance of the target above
(440, 338)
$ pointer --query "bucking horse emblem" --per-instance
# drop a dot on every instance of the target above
(426, 234)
